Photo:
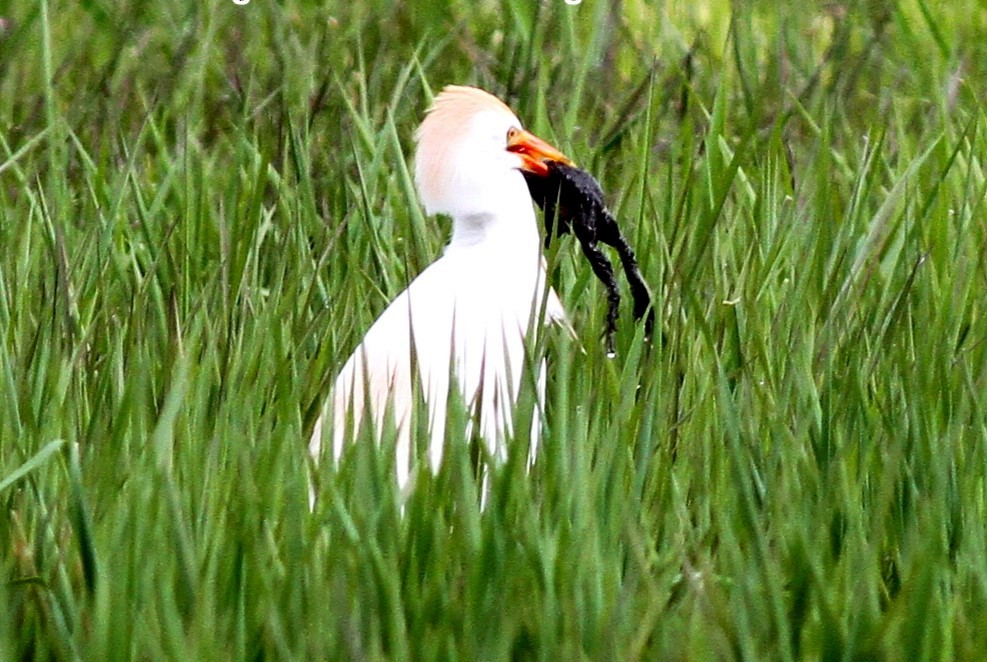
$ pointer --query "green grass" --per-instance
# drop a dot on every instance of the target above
(203, 206)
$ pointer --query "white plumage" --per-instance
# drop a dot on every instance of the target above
(468, 313)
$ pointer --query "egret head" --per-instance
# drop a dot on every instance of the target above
(471, 149)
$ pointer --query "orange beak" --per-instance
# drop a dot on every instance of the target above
(534, 152)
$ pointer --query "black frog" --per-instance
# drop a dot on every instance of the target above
(573, 201)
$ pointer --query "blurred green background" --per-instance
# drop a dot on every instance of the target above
(204, 205)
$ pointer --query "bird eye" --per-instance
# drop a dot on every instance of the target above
(512, 133)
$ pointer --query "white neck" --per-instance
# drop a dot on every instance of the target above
(508, 223)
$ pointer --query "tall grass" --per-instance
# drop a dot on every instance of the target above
(204, 205)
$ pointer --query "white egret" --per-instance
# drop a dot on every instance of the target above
(467, 314)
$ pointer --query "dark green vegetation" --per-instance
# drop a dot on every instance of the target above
(204, 205)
